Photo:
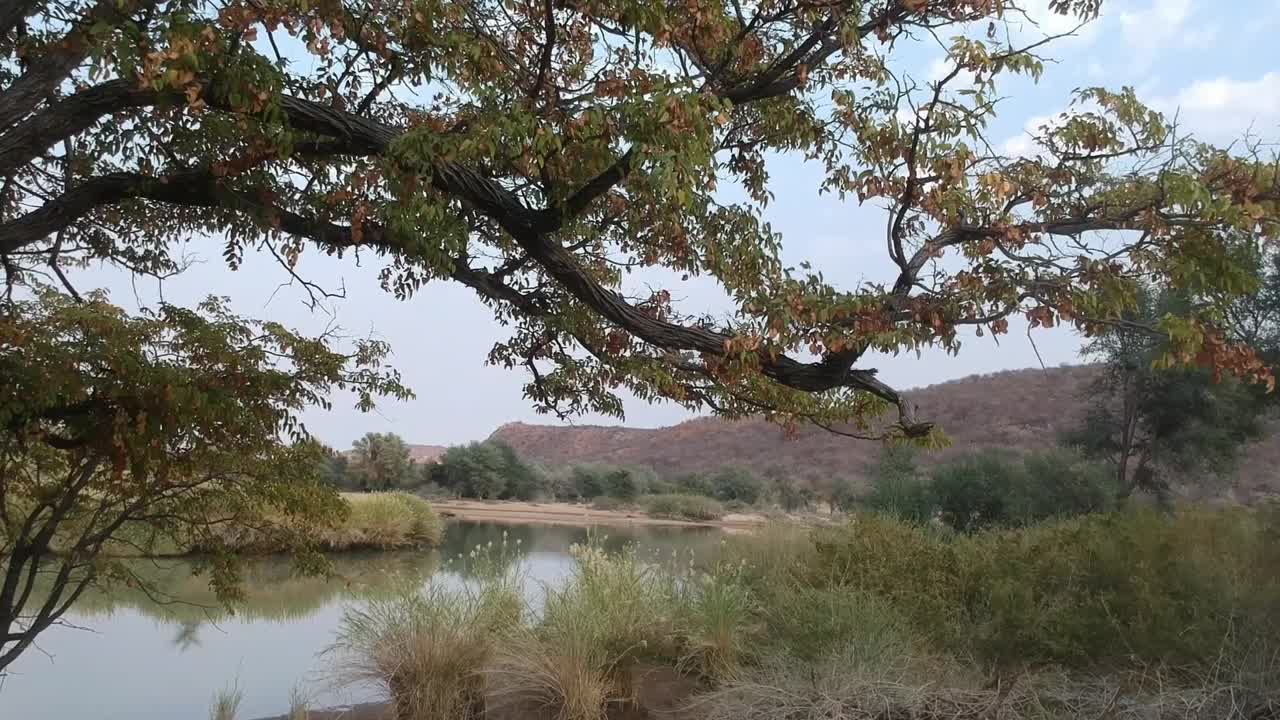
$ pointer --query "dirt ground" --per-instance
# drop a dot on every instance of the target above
(533, 513)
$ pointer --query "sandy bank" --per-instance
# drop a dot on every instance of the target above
(534, 513)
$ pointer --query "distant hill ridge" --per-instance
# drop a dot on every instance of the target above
(1019, 410)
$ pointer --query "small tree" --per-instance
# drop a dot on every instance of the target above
(380, 461)
(739, 484)
(176, 426)
(1154, 423)
(897, 486)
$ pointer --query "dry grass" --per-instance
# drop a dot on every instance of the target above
(425, 651)
(226, 703)
(384, 521)
(570, 675)
(785, 690)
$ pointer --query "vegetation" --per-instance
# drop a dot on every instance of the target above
(683, 507)
(546, 166)
(226, 704)
(1154, 423)
(875, 618)
(552, 158)
(172, 428)
(486, 470)
(425, 649)
(380, 461)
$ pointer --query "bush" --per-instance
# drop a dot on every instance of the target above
(1096, 591)
(996, 489)
(614, 611)
(975, 491)
(683, 507)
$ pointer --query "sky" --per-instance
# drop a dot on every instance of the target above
(1215, 64)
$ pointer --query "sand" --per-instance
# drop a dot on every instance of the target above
(534, 513)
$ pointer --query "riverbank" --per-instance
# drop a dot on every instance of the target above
(535, 513)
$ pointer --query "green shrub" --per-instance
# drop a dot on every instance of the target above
(975, 491)
(897, 487)
(683, 507)
(1095, 591)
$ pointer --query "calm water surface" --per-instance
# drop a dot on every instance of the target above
(130, 658)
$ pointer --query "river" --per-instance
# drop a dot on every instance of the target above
(124, 656)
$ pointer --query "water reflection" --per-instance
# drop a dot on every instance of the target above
(145, 659)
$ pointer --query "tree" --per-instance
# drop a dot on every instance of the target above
(380, 461)
(739, 484)
(897, 486)
(173, 427)
(478, 470)
(1154, 423)
(565, 144)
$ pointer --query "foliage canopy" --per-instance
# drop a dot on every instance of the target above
(537, 152)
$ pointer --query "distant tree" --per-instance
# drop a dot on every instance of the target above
(621, 483)
(588, 481)
(1154, 423)
(380, 461)
(898, 487)
(477, 470)
(791, 495)
(523, 481)
(333, 470)
(736, 483)
(695, 484)
(1060, 482)
(844, 494)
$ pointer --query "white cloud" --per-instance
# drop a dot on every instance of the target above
(1164, 25)
(1228, 106)
(1048, 22)
(1024, 144)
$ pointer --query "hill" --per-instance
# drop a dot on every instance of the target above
(1019, 410)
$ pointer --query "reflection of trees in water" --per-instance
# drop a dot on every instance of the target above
(272, 589)
(176, 594)
(461, 537)
(187, 636)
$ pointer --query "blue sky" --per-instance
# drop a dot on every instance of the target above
(1215, 63)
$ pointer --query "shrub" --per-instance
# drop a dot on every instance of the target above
(683, 507)
(1095, 591)
(975, 491)
(621, 484)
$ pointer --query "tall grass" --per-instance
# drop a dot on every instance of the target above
(427, 650)
(614, 612)
(384, 521)
(720, 623)
(226, 703)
